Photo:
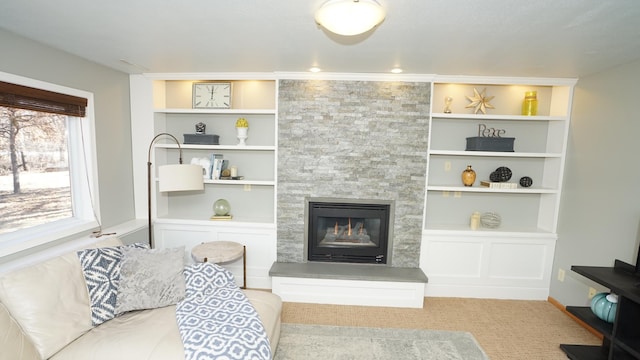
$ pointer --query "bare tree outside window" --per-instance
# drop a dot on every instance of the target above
(35, 187)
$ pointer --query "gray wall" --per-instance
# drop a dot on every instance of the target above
(21, 56)
(355, 140)
(600, 207)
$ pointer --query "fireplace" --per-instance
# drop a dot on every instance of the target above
(346, 230)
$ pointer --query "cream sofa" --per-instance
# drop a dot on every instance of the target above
(45, 314)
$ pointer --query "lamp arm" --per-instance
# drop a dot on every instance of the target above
(156, 138)
(151, 244)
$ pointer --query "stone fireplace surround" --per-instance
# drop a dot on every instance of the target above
(354, 140)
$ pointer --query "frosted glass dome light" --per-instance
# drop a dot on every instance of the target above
(350, 17)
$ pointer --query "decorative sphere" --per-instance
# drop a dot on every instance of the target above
(604, 306)
(221, 207)
(490, 220)
(501, 174)
(526, 181)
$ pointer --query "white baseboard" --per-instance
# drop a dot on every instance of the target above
(486, 292)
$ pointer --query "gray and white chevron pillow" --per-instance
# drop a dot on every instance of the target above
(101, 270)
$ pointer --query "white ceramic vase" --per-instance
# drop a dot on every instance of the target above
(242, 135)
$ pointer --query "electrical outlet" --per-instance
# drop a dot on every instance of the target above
(561, 275)
(447, 166)
(592, 292)
(247, 187)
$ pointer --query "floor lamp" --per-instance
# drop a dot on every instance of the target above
(172, 177)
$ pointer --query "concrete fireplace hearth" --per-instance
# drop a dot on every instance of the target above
(348, 284)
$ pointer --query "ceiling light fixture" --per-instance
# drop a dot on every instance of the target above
(350, 17)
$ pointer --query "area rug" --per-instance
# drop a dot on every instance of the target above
(311, 342)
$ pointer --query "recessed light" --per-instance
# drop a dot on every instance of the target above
(315, 69)
(396, 70)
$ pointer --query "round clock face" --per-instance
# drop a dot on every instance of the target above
(212, 95)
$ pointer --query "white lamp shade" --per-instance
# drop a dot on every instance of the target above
(180, 177)
(350, 17)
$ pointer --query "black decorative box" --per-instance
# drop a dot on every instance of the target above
(480, 143)
(201, 139)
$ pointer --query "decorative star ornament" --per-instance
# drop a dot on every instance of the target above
(480, 101)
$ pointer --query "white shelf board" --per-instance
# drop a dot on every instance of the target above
(239, 182)
(498, 117)
(216, 111)
(501, 232)
(502, 80)
(236, 221)
(495, 154)
(481, 189)
(218, 147)
(242, 182)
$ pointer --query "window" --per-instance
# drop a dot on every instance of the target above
(48, 186)
(35, 187)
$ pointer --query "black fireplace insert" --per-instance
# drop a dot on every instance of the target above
(351, 232)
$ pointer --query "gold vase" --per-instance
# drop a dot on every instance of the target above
(468, 176)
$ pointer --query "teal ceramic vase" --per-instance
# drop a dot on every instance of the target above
(604, 306)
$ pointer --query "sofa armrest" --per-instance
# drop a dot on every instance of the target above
(13, 342)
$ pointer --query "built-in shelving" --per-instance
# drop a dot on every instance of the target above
(527, 233)
(163, 103)
(255, 161)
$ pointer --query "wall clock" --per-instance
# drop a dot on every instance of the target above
(212, 95)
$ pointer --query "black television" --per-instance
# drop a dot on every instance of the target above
(635, 269)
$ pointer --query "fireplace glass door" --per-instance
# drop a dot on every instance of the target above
(348, 232)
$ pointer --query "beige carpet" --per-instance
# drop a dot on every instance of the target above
(505, 329)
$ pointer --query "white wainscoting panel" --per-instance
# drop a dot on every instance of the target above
(260, 242)
(487, 264)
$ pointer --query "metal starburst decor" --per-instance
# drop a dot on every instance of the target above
(480, 101)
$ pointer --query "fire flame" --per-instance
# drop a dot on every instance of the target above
(349, 229)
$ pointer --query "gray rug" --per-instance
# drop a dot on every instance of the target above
(310, 342)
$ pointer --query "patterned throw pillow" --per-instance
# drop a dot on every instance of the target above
(150, 278)
(101, 270)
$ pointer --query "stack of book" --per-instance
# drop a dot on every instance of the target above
(498, 185)
(218, 164)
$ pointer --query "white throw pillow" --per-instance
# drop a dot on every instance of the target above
(150, 278)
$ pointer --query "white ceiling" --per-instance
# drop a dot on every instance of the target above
(542, 38)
